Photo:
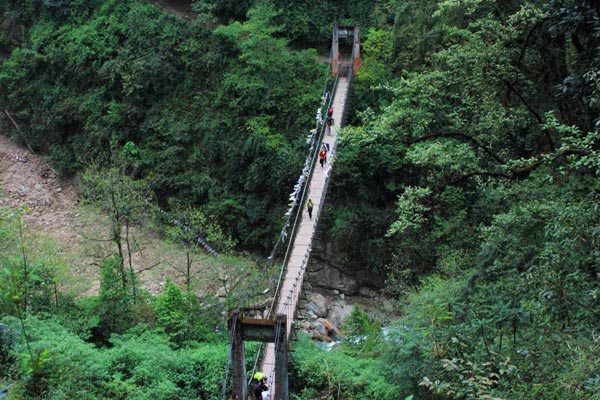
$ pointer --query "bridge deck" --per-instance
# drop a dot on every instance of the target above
(296, 264)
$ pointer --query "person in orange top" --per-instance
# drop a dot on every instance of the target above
(323, 157)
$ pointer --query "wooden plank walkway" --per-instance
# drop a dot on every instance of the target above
(296, 264)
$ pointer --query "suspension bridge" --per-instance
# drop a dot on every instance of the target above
(275, 330)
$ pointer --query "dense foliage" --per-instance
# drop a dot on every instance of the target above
(467, 175)
(212, 117)
(136, 366)
(121, 344)
(471, 173)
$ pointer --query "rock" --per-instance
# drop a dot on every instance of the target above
(320, 329)
(327, 339)
(388, 306)
(333, 268)
(339, 311)
(327, 325)
(342, 296)
(335, 291)
(58, 190)
(367, 292)
(318, 304)
(333, 278)
(305, 325)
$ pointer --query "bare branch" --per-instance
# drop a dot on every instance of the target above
(20, 131)
(483, 173)
(464, 137)
(150, 267)
(526, 44)
(531, 110)
(94, 239)
(524, 171)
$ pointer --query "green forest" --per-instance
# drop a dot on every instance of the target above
(466, 174)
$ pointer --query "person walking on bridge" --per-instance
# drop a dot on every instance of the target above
(259, 388)
(323, 157)
(328, 124)
(309, 207)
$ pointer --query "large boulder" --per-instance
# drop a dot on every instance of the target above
(322, 330)
(327, 325)
(367, 292)
(338, 312)
(318, 304)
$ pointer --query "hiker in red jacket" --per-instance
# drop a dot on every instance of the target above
(323, 157)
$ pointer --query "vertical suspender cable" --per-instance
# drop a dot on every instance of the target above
(229, 356)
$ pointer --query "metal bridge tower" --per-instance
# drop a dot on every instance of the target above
(258, 330)
(336, 58)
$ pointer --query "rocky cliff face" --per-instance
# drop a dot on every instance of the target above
(331, 268)
(335, 286)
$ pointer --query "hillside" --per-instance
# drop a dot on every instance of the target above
(53, 209)
(466, 189)
(27, 181)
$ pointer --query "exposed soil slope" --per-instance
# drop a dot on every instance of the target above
(52, 207)
(26, 181)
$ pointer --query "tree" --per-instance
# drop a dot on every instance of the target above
(125, 200)
(114, 306)
(197, 234)
(17, 287)
(180, 315)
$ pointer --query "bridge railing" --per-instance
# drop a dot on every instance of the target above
(294, 199)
